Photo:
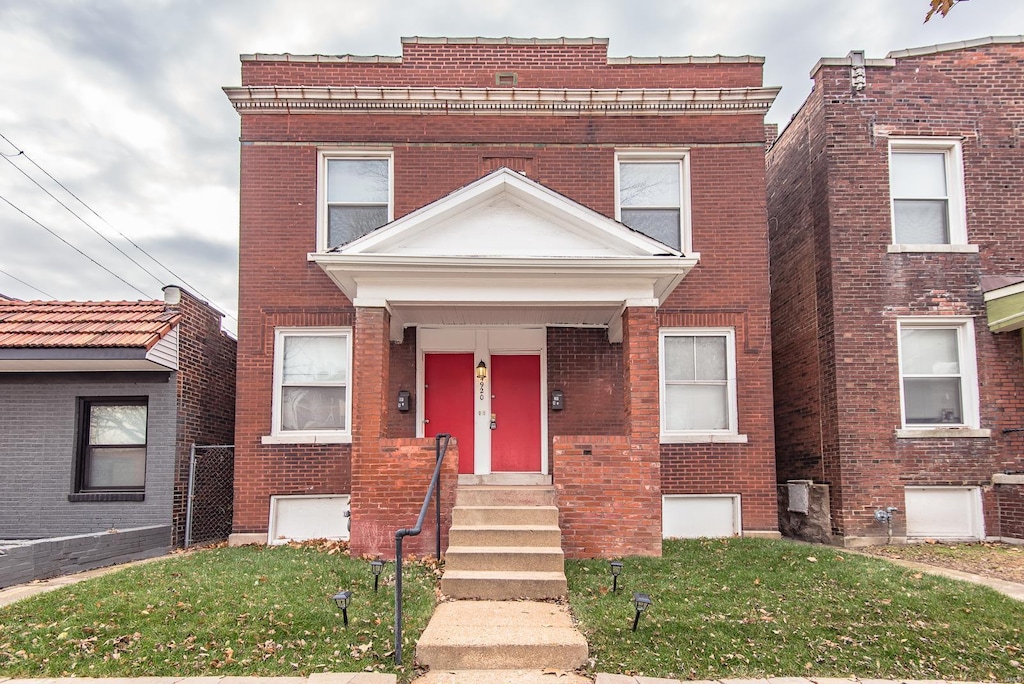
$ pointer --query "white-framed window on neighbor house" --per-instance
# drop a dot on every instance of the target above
(698, 385)
(652, 195)
(312, 385)
(938, 373)
(926, 189)
(356, 195)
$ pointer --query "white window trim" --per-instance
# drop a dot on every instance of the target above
(279, 436)
(953, 150)
(681, 155)
(971, 426)
(727, 435)
(326, 154)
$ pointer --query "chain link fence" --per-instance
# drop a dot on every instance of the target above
(211, 493)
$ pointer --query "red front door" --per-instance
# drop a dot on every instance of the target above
(448, 401)
(515, 406)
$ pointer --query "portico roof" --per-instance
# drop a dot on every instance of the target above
(505, 250)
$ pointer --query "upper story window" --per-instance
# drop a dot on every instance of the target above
(927, 192)
(312, 385)
(938, 373)
(112, 445)
(652, 195)
(698, 384)
(356, 192)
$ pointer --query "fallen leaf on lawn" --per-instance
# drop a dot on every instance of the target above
(812, 559)
(918, 575)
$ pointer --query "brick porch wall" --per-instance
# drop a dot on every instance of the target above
(390, 477)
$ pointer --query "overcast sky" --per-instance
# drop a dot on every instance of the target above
(120, 101)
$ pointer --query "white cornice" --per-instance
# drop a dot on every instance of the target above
(517, 101)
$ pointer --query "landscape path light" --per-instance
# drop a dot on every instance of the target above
(642, 603)
(341, 599)
(376, 566)
(616, 571)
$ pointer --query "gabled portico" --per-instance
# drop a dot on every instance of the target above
(481, 274)
(505, 250)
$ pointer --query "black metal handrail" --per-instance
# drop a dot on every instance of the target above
(441, 450)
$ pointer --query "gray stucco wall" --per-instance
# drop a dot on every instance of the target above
(37, 454)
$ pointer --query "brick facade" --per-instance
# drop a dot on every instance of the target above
(611, 389)
(206, 396)
(838, 290)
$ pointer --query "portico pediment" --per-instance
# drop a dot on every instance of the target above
(505, 242)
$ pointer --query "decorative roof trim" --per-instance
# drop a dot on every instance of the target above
(506, 40)
(894, 55)
(959, 45)
(688, 59)
(298, 99)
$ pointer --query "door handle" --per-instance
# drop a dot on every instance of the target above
(494, 421)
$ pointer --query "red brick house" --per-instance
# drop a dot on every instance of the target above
(894, 205)
(558, 257)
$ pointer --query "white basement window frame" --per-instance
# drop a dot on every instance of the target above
(644, 209)
(324, 376)
(673, 384)
(926, 186)
(357, 189)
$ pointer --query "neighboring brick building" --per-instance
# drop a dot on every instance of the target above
(407, 220)
(895, 198)
(100, 403)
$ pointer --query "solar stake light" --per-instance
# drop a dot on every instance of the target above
(376, 566)
(616, 571)
(342, 599)
(642, 603)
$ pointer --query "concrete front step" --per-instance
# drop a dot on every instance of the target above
(501, 635)
(505, 515)
(505, 535)
(487, 495)
(503, 585)
(515, 558)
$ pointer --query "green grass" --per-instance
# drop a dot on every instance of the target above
(753, 608)
(227, 611)
(722, 608)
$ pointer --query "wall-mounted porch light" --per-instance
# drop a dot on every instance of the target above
(341, 599)
(481, 375)
(642, 602)
(616, 571)
(376, 566)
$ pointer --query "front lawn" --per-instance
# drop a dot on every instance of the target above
(227, 611)
(741, 608)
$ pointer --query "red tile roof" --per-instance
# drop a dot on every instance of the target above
(84, 324)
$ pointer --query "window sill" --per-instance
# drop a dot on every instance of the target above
(704, 438)
(963, 249)
(106, 496)
(941, 433)
(308, 439)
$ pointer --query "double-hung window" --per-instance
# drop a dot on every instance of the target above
(312, 386)
(112, 445)
(652, 194)
(926, 190)
(698, 383)
(938, 374)
(356, 192)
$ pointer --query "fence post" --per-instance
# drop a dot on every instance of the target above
(191, 493)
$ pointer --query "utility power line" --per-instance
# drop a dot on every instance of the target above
(156, 261)
(31, 287)
(17, 209)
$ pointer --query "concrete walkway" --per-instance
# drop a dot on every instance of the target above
(325, 678)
